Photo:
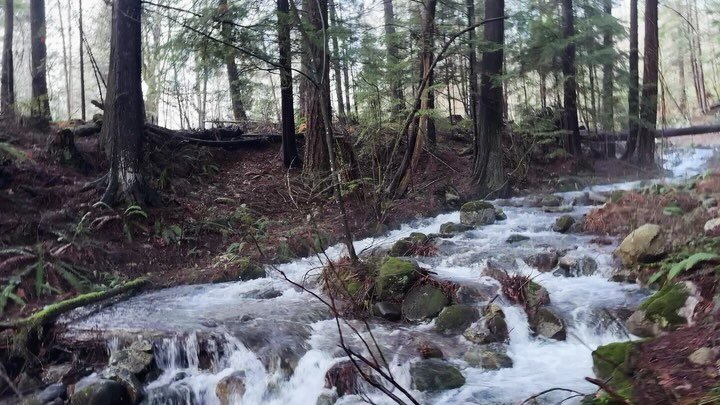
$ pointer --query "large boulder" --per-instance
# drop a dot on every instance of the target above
(669, 307)
(456, 318)
(543, 261)
(563, 223)
(490, 357)
(607, 358)
(102, 392)
(423, 302)
(643, 245)
(409, 246)
(231, 388)
(477, 213)
(435, 375)
(128, 380)
(395, 277)
(490, 329)
(545, 322)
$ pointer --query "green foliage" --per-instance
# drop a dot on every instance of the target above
(671, 270)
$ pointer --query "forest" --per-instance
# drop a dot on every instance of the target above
(366, 201)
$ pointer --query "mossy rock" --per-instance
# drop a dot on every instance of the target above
(608, 357)
(563, 223)
(250, 271)
(643, 245)
(537, 295)
(662, 307)
(456, 318)
(102, 392)
(406, 246)
(423, 302)
(500, 214)
(394, 278)
(449, 228)
(435, 375)
(478, 205)
(477, 213)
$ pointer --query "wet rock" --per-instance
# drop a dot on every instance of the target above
(435, 375)
(423, 302)
(27, 382)
(102, 392)
(563, 223)
(449, 228)
(570, 183)
(712, 227)
(407, 246)
(490, 357)
(388, 310)
(558, 210)
(536, 295)
(543, 261)
(51, 393)
(175, 394)
(328, 397)
(456, 318)
(251, 271)
(643, 245)
(449, 197)
(394, 277)
(578, 226)
(623, 276)
(499, 268)
(128, 380)
(491, 328)
(551, 200)
(702, 356)
(429, 350)
(500, 214)
(344, 377)
(231, 388)
(136, 358)
(56, 373)
(467, 294)
(269, 294)
(515, 238)
(576, 267)
(545, 322)
(669, 307)
(476, 213)
(609, 358)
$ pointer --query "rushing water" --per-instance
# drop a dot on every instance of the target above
(284, 340)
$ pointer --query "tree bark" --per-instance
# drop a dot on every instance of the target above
(608, 83)
(648, 103)
(473, 76)
(488, 172)
(393, 58)
(572, 144)
(7, 79)
(66, 70)
(336, 63)
(123, 119)
(40, 104)
(289, 145)
(82, 60)
(232, 70)
(317, 160)
(633, 84)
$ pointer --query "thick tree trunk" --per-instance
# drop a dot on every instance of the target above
(123, 119)
(317, 160)
(633, 84)
(648, 103)
(572, 144)
(393, 58)
(336, 63)
(7, 80)
(473, 76)
(40, 104)
(289, 145)
(82, 60)
(608, 83)
(232, 70)
(488, 172)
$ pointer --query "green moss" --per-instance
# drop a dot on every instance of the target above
(662, 306)
(456, 318)
(478, 205)
(608, 357)
(394, 277)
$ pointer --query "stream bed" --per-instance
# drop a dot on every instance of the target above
(284, 340)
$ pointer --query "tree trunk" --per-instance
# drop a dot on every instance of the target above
(289, 145)
(40, 103)
(66, 70)
(572, 144)
(7, 80)
(473, 76)
(393, 59)
(683, 86)
(488, 172)
(608, 84)
(336, 63)
(633, 84)
(82, 61)
(123, 119)
(648, 103)
(232, 70)
(317, 160)
(701, 71)
(346, 76)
